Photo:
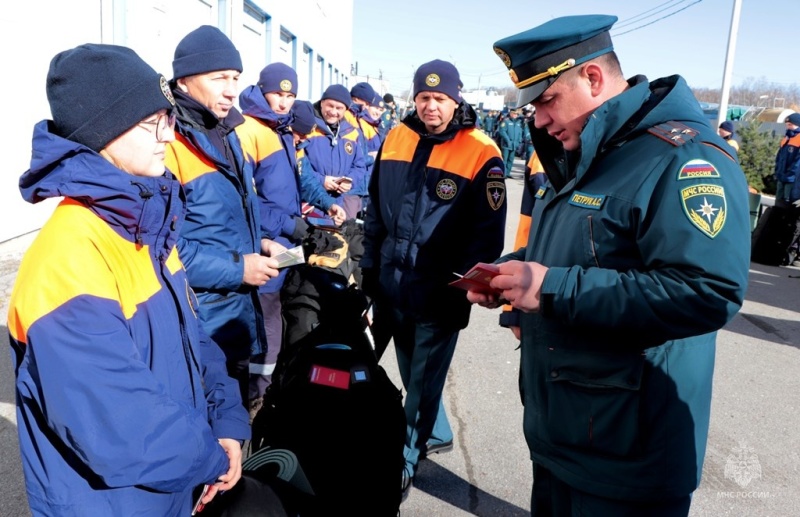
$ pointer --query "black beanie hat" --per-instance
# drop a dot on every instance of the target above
(278, 77)
(363, 91)
(339, 93)
(438, 76)
(304, 119)
(97, 92)
(387, 98)
(205, 49)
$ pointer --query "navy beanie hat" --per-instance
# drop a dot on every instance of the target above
(97, 92)
(205, 49)
(339, 93)
(363, 91)
(727, 125)
(304, 119)
(278, 77)
(438, 76)
(794, 118)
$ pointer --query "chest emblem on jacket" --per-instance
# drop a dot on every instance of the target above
(697, 169)
(446, 189)
(348, 147)
(705, 206)
(496, 193)
(591, 201)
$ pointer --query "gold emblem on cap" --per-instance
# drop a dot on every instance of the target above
(432, 80)
(286, 85)
(166, 90)
(503, 56)
(513, 75)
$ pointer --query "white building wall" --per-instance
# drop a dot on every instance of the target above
(317, 42)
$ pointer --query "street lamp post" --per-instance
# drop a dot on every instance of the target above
(726, 76)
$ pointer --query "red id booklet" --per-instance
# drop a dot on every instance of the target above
(477, 278)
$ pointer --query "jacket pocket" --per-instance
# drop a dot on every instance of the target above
(593, 401)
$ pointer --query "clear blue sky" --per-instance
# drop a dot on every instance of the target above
(396, 37)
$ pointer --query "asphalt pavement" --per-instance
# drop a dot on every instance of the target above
(752, 465)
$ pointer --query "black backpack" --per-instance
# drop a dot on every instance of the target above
(331, 403)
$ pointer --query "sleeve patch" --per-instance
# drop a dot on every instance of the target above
(496, 194)
(495, 172)
(705, 206)
(697, 169)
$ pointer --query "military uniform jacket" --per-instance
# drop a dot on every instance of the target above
(648, 246)
(511, 132)
(438, 207)
(222, 224)
(120, 396)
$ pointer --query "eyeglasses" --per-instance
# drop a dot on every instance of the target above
(160, 124)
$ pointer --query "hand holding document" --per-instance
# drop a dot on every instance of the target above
(477, 278)
(290, 257)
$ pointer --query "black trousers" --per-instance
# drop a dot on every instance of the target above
(552, 497)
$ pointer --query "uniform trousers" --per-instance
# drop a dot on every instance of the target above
(424, 351)
(508, 159)
(551, 497)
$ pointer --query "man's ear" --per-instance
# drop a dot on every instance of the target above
(595, 75)
(182, 85)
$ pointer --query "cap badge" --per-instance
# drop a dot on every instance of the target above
(432, 80)
(166, 90)
(503, 57)
(286, 85)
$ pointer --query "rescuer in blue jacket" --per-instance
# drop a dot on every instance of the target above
(638, 253)
(123, 403)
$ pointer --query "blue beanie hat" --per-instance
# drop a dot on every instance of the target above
(438, 76)
(205, 49)
(727, 125)
(278, 77)
(363, 91)
(338, 93)
(97, 92)
(304, 119)
(794, 118)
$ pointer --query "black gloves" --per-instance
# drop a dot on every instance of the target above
(300, 229)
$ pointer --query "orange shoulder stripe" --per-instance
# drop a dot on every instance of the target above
(184, 163)
(76, 254)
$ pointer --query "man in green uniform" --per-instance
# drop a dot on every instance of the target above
(638, 253)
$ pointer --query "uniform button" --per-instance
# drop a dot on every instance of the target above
(554, 374)
(163, 188)
(174, 223)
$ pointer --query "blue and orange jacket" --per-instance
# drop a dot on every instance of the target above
(370, 138)
(269, 146)
(787, 162)
(535, 178)
(337, 155)
(439, 208)
(120, 396)
(311, 190)
(222, 224)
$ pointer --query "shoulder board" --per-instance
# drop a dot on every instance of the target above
(673, 132)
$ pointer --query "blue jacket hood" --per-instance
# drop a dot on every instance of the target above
(63, 168)
(253, 103)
